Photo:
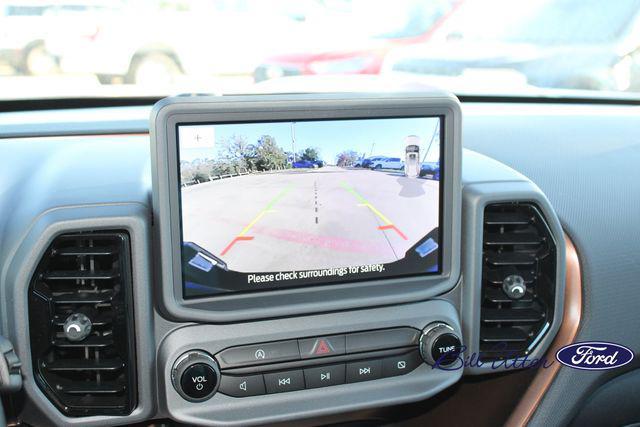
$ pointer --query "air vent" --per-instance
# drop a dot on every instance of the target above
(81, 325)
(518, 280)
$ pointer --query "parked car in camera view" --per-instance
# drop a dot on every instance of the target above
(304, 164)
(388, 163)
(366, 162)
(405, 22)
(430, 170)
(570, 44)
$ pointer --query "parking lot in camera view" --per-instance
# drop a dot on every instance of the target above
(309, 219)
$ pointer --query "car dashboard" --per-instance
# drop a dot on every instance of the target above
(557, 183)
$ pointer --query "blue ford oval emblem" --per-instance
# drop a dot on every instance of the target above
(594, 355)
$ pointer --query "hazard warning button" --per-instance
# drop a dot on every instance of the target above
(322, 346)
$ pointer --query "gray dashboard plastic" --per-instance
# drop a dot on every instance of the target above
(68, 183)
(585, 159)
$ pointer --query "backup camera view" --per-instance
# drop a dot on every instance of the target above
(269, 205)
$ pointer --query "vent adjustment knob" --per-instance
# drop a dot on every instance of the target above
(77, 327)
(440, 344)
(195, 376)
(514, 286)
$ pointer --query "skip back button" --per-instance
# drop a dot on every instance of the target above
(279, 382)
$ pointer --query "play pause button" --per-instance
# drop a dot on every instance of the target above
(324, 376)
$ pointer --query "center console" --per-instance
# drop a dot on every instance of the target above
(308, 235)
(262, 372)
(307, 264)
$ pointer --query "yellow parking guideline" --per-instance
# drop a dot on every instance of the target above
(267, 209)
(252, 223)
(377, 212)
(366, 203)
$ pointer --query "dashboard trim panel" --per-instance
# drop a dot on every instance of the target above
(476, 195)
(132, 217)
(566, 335)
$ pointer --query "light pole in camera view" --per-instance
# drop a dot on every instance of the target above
(293, 140)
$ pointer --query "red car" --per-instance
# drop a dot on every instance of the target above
(420, 20)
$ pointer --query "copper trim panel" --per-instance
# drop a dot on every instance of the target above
(567, 333)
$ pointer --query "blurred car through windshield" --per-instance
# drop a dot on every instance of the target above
(124, 48)
(362, 50)
(569, 44)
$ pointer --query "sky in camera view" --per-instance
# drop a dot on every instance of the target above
(383, 137)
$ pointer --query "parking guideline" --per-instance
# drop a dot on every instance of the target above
(388, 224)
(269, 208)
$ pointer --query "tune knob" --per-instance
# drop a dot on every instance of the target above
(195, 376)
(439, 344)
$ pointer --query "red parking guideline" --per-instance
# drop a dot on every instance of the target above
(233, 242)
(393, 227)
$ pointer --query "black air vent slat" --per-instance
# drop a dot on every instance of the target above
(494, 335)
(520, 315)
(510, 258)
(84, 297)
(85, 251)
(98, 320)
(106, 403)
(506, 218)
(498, 276)
(81, 275)
(91, 342)
(504, 350)
(501, 239)
(517, 248)
(86, 278)
(84, 365)
(92, 388)
(497, 295)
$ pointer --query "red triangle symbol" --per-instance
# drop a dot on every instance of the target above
(322, 347)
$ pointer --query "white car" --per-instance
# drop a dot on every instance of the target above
(199, 41)
(25, 25)
(388, 163)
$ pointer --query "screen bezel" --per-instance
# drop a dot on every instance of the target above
(441, 184)
(309, 298)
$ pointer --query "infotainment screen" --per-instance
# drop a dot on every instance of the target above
(291, 204)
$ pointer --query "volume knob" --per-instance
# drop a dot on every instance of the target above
(195, 376)
(439, 344)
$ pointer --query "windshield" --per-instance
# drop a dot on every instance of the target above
(544, 22)
(140, 48)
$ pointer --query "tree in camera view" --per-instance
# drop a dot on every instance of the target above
(236, 155)
(347, 158)
(310, 154)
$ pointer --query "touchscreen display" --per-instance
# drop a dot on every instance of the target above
(284, 204)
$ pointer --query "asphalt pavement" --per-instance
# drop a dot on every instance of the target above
(309, 219)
